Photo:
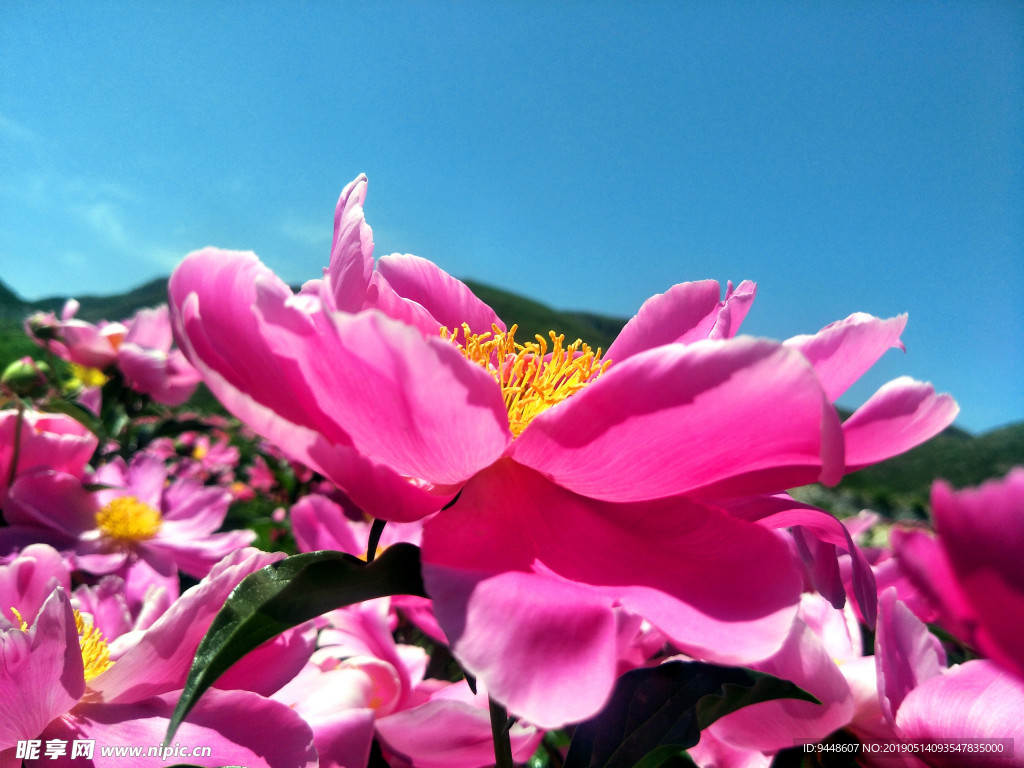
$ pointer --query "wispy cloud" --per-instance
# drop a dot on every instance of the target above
(315, 234)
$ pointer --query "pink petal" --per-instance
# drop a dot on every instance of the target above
(524, 576)
(982, 532)
(773, 725)
(213, 294)
(160, 661)
(975, 700)
(685, 313)
(319, 523)
(352, 250)
(901, 415)
(28, 580)
(52, 500)
(41, 671)
(715, 417)
(924, 563)
(240, 728)
(544, 646)
(450, 733)
(411, 403)
(843, 352)
(448, 300)
(906, 653)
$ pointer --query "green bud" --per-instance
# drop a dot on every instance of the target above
(26, 377)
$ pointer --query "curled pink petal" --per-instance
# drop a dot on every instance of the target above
(901, 415)
(843, 351)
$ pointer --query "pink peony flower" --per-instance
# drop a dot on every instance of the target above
(971, 570)
(924, 701)
(582, 486)
(77, 341)
(45, 441)
(150, 365)
(141, 528)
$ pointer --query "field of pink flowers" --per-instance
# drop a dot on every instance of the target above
(418, 540)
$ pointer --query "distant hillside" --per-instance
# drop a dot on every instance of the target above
(535, 318)
(93, 308)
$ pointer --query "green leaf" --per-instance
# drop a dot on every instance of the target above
(655, 713)
(286, 594)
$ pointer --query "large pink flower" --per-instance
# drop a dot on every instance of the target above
(581, 487)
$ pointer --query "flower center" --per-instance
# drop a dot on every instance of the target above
(531, 379)
(128, 519)
(95, 654)
(84, 376)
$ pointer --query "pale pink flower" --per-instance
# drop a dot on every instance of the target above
(924, 701)
(77, 341)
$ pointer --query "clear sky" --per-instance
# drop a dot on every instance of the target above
(846, 156)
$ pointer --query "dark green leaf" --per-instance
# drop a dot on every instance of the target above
(662, 710)
(286, 594)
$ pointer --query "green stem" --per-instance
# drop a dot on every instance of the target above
(375, 531)
(499, 732)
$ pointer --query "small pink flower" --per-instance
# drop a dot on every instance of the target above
(141, 528)
(45, 441)
(148, 362)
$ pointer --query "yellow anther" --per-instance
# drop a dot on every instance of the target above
(128, 519)
(84, 376)
(95, 653)
(531, 379)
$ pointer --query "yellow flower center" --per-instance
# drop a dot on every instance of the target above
(128, 519)
(95, 654)
(531, 380)
(84, 376)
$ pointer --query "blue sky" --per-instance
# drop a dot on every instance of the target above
(846, 156)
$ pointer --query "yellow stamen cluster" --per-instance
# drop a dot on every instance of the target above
(531, 379)
(84, 376)
(128, 519)
(95, 653)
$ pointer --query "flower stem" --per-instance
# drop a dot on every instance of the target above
(375, 531)
(499, 732)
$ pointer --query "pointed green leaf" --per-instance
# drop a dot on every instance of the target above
(661, 710)
(286, 594)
